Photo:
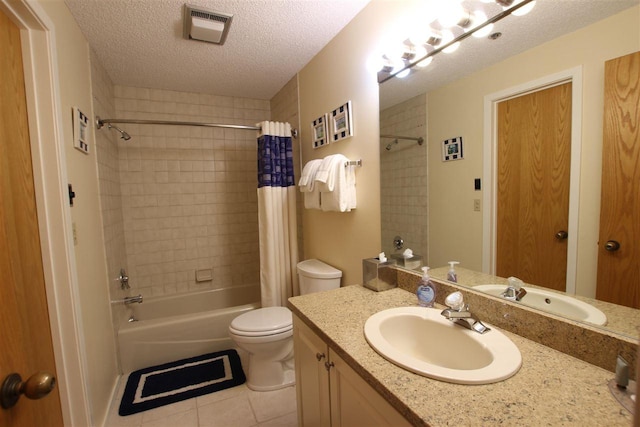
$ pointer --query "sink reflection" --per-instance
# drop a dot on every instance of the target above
(553, 302)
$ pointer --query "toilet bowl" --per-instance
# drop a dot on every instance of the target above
(266, 334)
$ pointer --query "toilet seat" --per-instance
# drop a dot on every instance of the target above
(263, 322)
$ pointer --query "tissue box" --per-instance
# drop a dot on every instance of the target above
(413, 263)
(378, 276)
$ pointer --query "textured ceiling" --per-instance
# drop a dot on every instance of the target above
(140, 43)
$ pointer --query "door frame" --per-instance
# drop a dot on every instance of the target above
(44, 110)
(490, 142)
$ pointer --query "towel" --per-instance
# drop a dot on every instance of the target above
(307, 184)
(338, 193)
(308, 176)
(326, 174)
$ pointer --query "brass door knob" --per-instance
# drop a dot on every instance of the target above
(561, 235)
(612, 246)
(36, 387)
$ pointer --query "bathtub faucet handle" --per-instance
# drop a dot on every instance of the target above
(123, 279)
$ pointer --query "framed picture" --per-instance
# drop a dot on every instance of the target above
(340, 122)
(80, 131)
(452, 149)
(319, 131)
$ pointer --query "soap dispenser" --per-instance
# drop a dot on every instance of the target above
(451, 275)
(426, 290)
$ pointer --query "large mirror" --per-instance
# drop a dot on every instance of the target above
(445, 210)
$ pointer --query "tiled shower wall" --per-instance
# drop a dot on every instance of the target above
(189, 193)
(403, 177)
(109, 181)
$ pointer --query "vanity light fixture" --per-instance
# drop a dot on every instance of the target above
(419, 49)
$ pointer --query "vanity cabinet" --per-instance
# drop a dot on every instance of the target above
(329, 392)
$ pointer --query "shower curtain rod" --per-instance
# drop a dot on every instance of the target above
(411, 138)
(101, 122)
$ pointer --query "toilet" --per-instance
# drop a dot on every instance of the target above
(266, 334)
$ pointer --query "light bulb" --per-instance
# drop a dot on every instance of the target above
(480, 18)
(425, 62)
(524, 9)
(452, 48)
(447, 37)
(450, 14)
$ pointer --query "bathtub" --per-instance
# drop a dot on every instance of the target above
(175, 327)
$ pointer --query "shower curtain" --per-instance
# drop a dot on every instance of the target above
(277, 214)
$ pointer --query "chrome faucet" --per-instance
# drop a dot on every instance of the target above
(515, 291)
(131, 300)
(458, 313)
(123, 279)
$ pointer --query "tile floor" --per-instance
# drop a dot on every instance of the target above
(233, 407)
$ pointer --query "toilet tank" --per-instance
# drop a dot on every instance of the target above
(316, 276)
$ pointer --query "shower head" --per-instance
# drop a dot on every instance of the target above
(123, 134)
(389, 146)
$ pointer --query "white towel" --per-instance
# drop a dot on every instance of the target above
(335, 196)
(352, 201)
(325, 175)
(308, 176)
(307, 184)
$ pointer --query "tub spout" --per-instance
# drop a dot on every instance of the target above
(131, 300)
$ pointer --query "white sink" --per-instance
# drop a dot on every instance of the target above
(553, 302)
(423, 341)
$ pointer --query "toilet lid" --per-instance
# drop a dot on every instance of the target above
(263, 321)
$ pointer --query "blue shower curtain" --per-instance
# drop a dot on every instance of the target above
(277, 214)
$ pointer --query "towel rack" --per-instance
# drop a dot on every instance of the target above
(353, 163)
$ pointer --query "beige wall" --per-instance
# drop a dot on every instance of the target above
(338, 74)
(75, 90)
(457, 109)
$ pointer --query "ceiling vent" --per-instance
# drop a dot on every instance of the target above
(206, 25)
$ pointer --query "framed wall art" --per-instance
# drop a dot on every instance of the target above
(452, 149)
(340, 122)
(319, 131)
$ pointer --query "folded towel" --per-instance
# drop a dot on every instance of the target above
(312, 200)
(351, 187)
(308, 176)
(307, 184)
(335, 194)
(325, 175)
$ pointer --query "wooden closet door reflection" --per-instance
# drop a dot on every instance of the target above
(534, 159)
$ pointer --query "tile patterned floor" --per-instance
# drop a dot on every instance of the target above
(234, 407)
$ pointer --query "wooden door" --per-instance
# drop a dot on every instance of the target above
(25, 337)
(534, 159)
(619, 269)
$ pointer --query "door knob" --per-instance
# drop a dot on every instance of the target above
(561, 235)
(36, 387)
(612, 246)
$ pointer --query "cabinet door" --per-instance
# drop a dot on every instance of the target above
(354, 403)
(312, 379)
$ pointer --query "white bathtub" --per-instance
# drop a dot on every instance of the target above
(174, 327)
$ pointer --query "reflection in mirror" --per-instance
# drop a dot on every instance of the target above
(434, 205)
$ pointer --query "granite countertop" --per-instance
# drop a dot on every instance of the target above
(551, 387)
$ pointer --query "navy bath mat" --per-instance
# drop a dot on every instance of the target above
(172, 382)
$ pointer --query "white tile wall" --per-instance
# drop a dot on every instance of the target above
(189, 193)
(109, 181)
(403, 177)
